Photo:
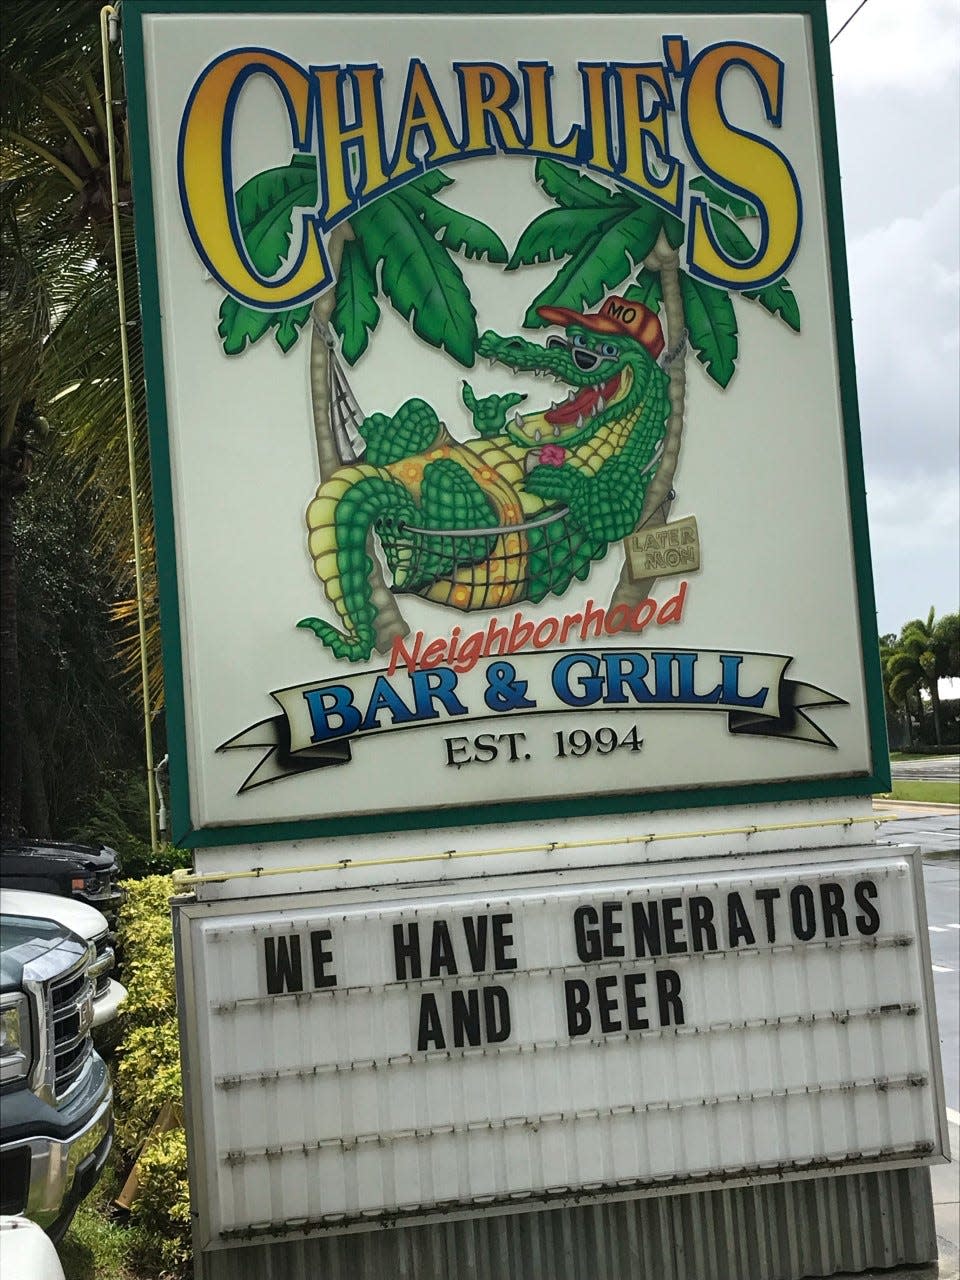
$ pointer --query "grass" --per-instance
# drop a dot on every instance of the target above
(97, 1247)
(931, 792)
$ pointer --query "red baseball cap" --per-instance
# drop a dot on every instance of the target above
(616, 315)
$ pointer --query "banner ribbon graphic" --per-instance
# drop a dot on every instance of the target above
(321, 721)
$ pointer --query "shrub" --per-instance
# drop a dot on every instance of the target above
(162, 1206)
(148, 1076)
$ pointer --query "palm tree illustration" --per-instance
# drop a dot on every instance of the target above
(401, 247)
(610, 240)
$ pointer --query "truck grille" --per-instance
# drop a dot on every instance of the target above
(71, 1013)
(103, 965)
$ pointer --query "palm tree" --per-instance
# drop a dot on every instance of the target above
(58, 284)
(893, 705)
(400, 248)
(612, 239)
(925, 653)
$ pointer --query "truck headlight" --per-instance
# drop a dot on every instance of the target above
(14, 1038)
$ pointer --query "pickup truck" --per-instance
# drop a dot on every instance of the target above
(56, 1101)
(87, 923)
(88, 872)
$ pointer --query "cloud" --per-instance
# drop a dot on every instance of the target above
(915, 542)
(902, 44)
(904, 282)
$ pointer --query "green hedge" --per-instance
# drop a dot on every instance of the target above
(147, 1076)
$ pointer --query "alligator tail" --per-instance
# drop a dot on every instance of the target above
(340, 520)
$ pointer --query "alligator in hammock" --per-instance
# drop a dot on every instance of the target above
(516, 514)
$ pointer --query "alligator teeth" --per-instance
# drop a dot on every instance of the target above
(601, 405)
(538, 435)
(518, 421)
(556, 429)
(571, 396)
(555, 404)
(579, 421)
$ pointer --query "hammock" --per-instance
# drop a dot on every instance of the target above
(467, 568)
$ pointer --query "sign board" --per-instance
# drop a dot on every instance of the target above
(503, 417)
(355, 1062)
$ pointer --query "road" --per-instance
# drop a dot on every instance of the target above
(938, 835)
(927, 769)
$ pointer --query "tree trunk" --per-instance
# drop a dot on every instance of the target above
(389, 622)
(935, 705)
(921, 723)
(11, 757)
(658, 498)
(321, 372)
(35, 807)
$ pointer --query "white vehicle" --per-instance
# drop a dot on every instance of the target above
(90, 925)
(26, 1250)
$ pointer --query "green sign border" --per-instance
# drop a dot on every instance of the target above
(754, 793)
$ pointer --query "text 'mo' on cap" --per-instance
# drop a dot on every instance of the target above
(616, 315)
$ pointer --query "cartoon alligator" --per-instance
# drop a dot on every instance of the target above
(516, 514)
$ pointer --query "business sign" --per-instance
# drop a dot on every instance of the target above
(505, 436)
(355, 1062)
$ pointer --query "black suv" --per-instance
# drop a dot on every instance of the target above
(88, 872)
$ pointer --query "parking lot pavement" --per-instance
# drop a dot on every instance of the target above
(936, 829)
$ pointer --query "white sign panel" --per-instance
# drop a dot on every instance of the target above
(503, 414)
(352, 1063)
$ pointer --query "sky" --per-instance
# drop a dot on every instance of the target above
(896, 76)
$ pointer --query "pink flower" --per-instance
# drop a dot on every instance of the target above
(552, 455)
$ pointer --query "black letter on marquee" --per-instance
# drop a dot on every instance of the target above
(430, 1028)
(284, 966)
(612, 928)
(501, 941)
(475, 932)
(834, 916)
(441, 953)
(738, 925)
(496, 1014)
(587, 939)
(802, 912)
(465, 1015)
(321, 958)
(578, 1013)
(701, 924)
(607, 1003)
(646, 929)
(668, 997)
(869, 922)
(768, 897)
(673, 925)
(635, 1001)
(405, 949)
